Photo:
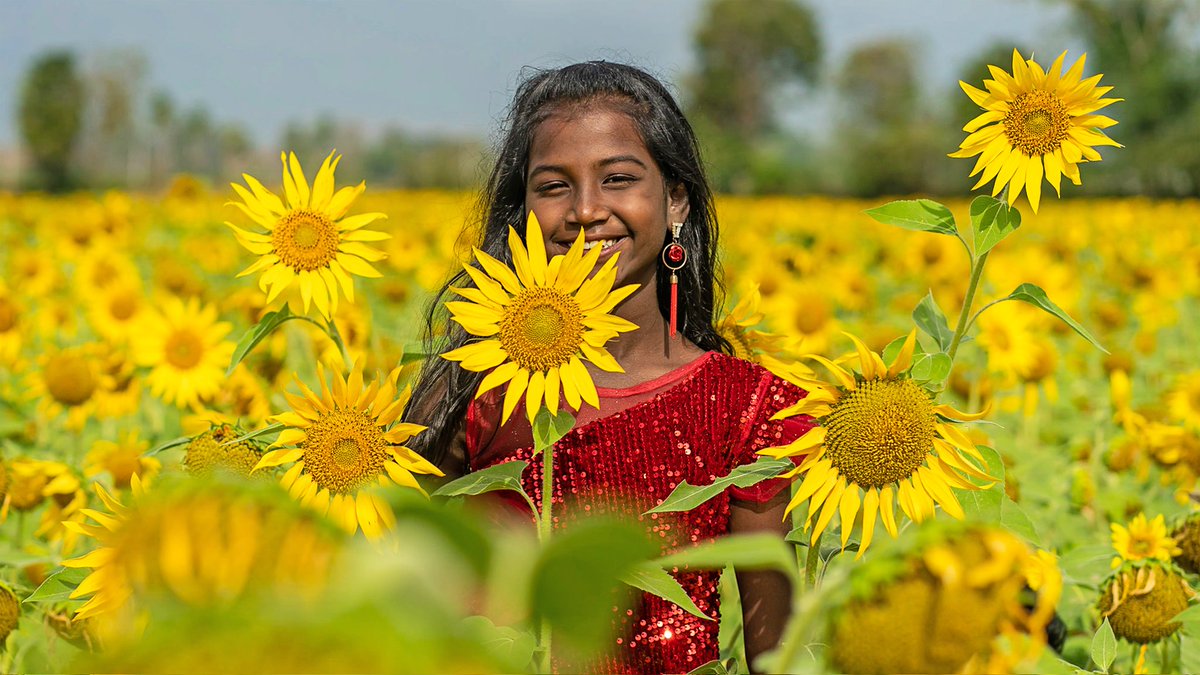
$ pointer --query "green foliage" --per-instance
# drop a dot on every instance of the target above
(992, 220)
(50, 115)
(1033, 295)
(930, 319)
(686, 496)
(503, 476)
(653, 579)
(1104, 646)
(920, 215)
(577, 580)
(548, 429)
(59, 585)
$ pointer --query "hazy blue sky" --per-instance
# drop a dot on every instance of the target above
(448, 65)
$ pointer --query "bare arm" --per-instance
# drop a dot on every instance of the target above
(766, 595)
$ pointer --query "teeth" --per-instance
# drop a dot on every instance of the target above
(604, 244)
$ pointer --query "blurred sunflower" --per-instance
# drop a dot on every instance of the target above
(34, 272)
(1037, 124)
(309, 241)
(1183, 402)
(11, 318)
(880, 437)
(342, 443)
(210, 452)
(122, 459)
(739, 327)
(200, 543)
(68, 380)
(117, 310)
(185, 348)
(542, 320)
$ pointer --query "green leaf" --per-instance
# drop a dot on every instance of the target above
(686, 496)
(1013, 517)
(412, 357)
(930, 319)
(506, 476)
(653, 579)
(577, 580)
(931, 368)
(714, 667)
(748, 551)
(269, 429)
(1191, 615)
(1033, 295)
(184, 440)
(548, 429)
(257, 333)
(921, 215)
(992, 220)
(506, 644)
(985, 505)
(1104, 646)
(59, 585)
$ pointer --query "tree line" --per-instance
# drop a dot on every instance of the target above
(756, 63)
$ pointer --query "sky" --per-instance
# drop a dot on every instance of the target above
(450, 66)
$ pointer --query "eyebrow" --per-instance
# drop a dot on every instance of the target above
(608, 161)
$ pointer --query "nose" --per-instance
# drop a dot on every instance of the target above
(588, 208)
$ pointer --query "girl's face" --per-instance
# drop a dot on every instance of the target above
(589, 170)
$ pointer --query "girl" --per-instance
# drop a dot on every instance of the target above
(604, 148)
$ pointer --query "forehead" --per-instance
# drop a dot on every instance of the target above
(584, 134)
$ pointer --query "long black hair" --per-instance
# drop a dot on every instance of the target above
(445, 389)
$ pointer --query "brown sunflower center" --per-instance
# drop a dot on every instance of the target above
(344, 450)
(1036, 122)
(8, 315)
(183, 349)
(811, 318)
(68, 379)
(880, 432)
(541, 329)
(206, 454)
(1140, 605)
(123, 305)
(305, 240)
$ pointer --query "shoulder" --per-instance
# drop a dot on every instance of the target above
(735, 372)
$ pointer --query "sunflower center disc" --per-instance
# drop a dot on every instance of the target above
(68, 379)
(542, 329)
(8, 315)
(345, 454)
(1036, 123)
(123, 305)
(344, 450)
(305, 240)
(881, 432)
(183, 349)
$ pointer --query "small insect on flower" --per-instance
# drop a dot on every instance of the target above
(1036, 124)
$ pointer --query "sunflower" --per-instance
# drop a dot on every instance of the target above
(10, 611)
(881, 438)
(11, 318)
(953, 604)
(308, 241)
(1140, 599)
(739, 327)
(542, 320)
(1142, 540)
(1183, 403)
(116, 310)
(186, 350)
(208, 452)
(1037, 124)
(122, 459)
(344, 441)
(69, 380)
(201, 544)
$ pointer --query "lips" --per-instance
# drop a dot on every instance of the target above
(607, 244)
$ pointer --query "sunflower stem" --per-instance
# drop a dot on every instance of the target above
(545, 527)
(334, 334)
(812, 563)
(972, 286)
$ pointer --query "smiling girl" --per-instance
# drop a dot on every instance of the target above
(603, 148)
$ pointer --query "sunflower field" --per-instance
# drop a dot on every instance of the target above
(202, 432)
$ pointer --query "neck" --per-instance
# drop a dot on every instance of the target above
(652, 340)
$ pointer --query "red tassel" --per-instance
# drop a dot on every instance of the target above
(674, 301)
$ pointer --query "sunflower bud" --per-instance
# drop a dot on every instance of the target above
(1139, 601)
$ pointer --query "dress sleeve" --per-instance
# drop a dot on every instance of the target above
(773, 395)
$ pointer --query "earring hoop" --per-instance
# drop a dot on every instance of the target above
(674, 256)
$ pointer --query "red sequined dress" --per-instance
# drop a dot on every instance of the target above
(695, 423)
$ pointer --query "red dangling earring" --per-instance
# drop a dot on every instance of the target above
(674, 256)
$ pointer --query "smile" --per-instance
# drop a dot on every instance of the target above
(605, 244)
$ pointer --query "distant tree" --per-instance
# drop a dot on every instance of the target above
(113, 151)
(746, 53)
(50, 115)
(883, 134)
(1140, 47)
(162, 121)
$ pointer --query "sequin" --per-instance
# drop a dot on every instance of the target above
(700, 427)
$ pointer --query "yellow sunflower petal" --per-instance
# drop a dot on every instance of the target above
(848, 511)
(870, 508)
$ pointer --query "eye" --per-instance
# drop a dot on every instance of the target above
(550, 187)
(620, 179)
